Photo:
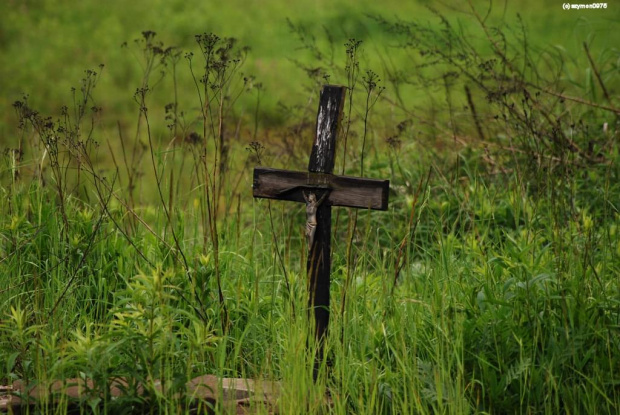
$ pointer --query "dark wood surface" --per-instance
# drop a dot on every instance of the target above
(319, 256)
(346, 191)
(342, 191)
(319, 270)
(233, 395)
(327, 121)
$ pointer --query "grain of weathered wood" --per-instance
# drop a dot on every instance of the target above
(344, 190)
(322, 159)
(328, 117)
(338, 191)
(319, 265)
(235, 395)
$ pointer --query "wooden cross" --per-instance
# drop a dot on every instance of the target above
(321, 190)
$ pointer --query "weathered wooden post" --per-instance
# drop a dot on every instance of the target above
(321, 190)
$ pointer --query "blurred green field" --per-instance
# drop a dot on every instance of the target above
(45, 45)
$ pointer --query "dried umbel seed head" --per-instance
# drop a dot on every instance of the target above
(193, 138)
(257, 150)
(394, 142)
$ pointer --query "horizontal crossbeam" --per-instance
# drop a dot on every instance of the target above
(346, 191)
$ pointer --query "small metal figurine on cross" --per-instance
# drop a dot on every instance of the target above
(311, 207)
(320, 190)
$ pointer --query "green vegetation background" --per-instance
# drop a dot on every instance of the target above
(489, 286)
(45, 45)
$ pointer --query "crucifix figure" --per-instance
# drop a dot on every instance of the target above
(335, 190)
(311, 207)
